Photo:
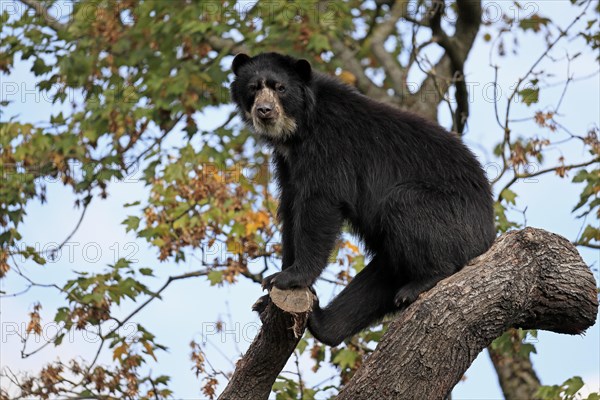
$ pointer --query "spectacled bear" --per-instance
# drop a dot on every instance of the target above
(412, 192)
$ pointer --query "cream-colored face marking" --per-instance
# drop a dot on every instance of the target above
(278, 127)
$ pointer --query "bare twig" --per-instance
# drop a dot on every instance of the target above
(518, 176)
(589, 245)
(563, 33)
(154, 296)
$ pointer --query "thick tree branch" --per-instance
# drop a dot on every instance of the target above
(528, 279)
(389, 62)
(352, 64)
(42, 12)
(448, 43)
(452, 49)
(348, 56)
(456, 51)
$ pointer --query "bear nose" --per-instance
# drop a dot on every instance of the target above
(264, 109)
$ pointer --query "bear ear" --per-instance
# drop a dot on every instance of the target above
(303, 69)
(238, 62)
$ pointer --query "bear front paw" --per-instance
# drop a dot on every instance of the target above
(284, 280)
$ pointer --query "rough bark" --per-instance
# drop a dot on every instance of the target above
(256, 372)
(528, 279)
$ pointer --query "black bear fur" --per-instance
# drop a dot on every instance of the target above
(411, 191)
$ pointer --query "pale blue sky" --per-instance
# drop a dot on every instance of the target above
(190, 308)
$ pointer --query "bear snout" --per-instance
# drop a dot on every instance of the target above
(266, 105)
(265, 110)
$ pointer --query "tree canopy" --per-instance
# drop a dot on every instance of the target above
(141, 88)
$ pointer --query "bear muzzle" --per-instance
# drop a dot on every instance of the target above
(269, 117)
(265, 110)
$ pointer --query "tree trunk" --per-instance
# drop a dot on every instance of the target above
(529, 279)
(516, 375)
(256, 372)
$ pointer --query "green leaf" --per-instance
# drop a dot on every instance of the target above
(581, 176)
(163, 379)
(567, 391)
(345, 358)
(590, 191)
(534, 23)
(132, 223)
(57, 119)
(318, 43)
(39, 67)
(285, 388)
(373, 336)
(589, 234)
(158, 242)
(61, 314)
(503, 224)
(359, 263)
(59, 339)
(215, 277)
(530, 95)
(573, 385)
(548, 392)
(509, 196)
(302, 345)
(38, 258)
(525, 349)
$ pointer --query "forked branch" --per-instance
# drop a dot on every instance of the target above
(529, 279)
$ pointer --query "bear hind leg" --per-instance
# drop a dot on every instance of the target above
(366, 299)
(410, 292)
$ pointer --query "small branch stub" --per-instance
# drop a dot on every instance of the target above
(293, 300)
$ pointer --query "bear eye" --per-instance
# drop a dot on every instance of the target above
(252, 86)
(280, 88)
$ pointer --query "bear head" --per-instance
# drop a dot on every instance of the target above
(272, 93)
